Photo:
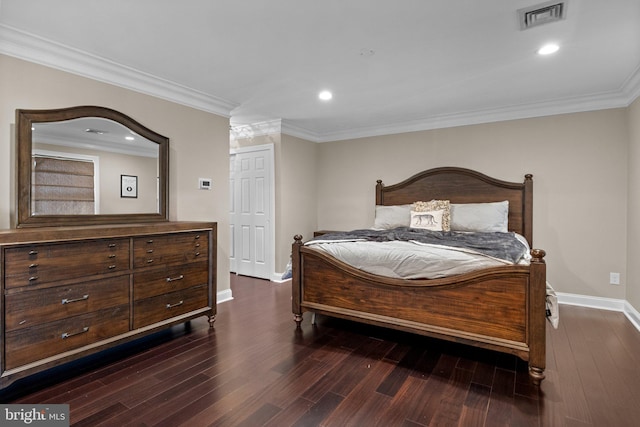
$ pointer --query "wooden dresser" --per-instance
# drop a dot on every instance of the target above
(68, 292)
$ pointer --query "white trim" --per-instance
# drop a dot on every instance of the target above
(250, 148)
(277, 278)
(591, 302)
(514, 112)
(255, 129)
(631, 87)
(224, 296)
(298, 132)
(632, 314)
(29, 47)
(601, 303)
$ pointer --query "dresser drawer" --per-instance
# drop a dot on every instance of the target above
(39, 342)
(31, 308)
(38, 264)
(168, 249)
(162, 307)
(169, 279)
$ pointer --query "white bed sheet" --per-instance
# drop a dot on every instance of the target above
(408, 260)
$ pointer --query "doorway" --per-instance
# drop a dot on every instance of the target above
(252, 251)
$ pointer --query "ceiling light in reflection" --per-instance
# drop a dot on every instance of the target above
(325, 95)
(548, 49)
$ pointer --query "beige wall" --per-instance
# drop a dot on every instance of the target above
(295, 185)
(579, 167)
(199, 141)
(298, 195)
(633, 224)
(584, 165)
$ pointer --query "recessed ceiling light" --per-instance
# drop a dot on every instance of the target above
(129, 138)
(325, 95)
(548, 49)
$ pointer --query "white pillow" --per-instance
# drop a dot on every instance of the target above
(392, 216)
(487, 217)
(427, 220)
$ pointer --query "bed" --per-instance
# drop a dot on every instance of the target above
(500, 307)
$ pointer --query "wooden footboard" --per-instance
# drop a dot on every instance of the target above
(501, 308)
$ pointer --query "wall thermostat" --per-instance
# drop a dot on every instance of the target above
(204, 183)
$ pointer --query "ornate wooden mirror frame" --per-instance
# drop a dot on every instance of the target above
(25, 122)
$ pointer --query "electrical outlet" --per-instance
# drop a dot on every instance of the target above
(614, 278)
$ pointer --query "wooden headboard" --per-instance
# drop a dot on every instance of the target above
(460, 185)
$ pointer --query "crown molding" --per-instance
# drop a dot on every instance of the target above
(290, 129)
(628, 93)
(32, 48)
(247, 131)
(632, 86)
(29, 47)
(563, 106)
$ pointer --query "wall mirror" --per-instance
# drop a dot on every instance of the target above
(89, 165)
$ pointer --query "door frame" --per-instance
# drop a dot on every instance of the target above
(271, 258)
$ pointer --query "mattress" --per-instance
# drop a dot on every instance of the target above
(411, 259)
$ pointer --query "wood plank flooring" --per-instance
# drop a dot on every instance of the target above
(256, 369)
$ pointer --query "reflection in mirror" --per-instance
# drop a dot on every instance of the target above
(89, 165)
(78, 165)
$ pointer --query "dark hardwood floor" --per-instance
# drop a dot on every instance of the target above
(255, 368)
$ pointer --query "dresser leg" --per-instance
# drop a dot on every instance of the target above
(212, 319)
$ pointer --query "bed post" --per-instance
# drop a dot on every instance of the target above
(296, 290)
(537, 316)
(379, 186)
(527, 214)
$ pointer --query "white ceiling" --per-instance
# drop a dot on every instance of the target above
(393, 66)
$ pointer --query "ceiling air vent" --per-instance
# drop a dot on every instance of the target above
(543, 13)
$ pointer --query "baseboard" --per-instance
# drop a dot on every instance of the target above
(277, 278)
(592, 302)
(602, 303)
(632, 314)
(224, 296)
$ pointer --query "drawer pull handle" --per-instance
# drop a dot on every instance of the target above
(112, 245)
(173, 279)
(33, 252)
(197, 245)
(33, 278)
(175, 305)
(82, 298)
(149, 261)
(111, 256)
(197, 253)
(112, 266)
(197, 236)
(33, 265)
(150, 241)
(70, 334)
(149, 251)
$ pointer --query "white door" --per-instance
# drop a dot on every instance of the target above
(252, 198)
